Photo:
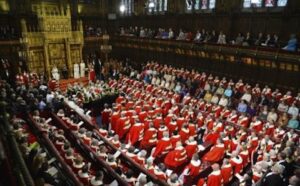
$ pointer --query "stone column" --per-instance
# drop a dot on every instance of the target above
(46, 59)
(69, 60)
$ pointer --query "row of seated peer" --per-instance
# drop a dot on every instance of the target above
(121, 132)
(87, 173)
(39, 162)
(154, 100)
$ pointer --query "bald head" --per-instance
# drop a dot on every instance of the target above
(215, 167)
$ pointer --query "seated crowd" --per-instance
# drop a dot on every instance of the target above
(190, 128)
(205, 36)
(40, 163)
(244, 128)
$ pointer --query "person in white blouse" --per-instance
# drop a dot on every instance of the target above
(222, 38)
(272, 116)
(223, 101)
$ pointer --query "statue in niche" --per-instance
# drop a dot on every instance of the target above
(76, 71)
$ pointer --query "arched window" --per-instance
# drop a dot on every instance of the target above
(264, 3)
(200, 5)
(127, 7)
(155, 6)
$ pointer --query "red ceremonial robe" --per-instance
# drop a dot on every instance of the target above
(123, 126)
(163, 146)
(215, 179)
(215, 154)
(160, 132)
(172, 126)
(212, 137)
(237, 164)
(106, 116)
(193, 168)
(176, 158)
(135, 133)
(174, 139)
(191, 148)
(150, 138)
(113, 121)
(184, 134)
(227, 172)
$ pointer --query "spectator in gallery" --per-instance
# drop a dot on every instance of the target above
(222, 38)
(158, 33)
(189, 36)
(165, 34)
(142, 32)
(259, 39)
(171, 34)
(214, 37)
(267, 41)
(292, 44)
(197, 37)
(274, 42)
(208, 37)
(247, 40)
(203, 35)
(181, 35)
(239, 39)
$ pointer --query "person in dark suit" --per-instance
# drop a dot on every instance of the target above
(274, 178)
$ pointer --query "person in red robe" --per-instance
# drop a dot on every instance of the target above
(226, 171)
(191, 147)
(157, 121)
(216, 153)
(92, 74)
(176, 157)
(172, 125)
(123, 126)
(106, 113)
(215, 178)
(212, 137)
(113, 120)
(256, 125)
(184, 132)
(161, 130)
(243, 120)
(175, 137)
(192, 169)
(236, 162)
(135, 133)
(244, 154)
(141, 157)
(163, 146)
(150, 137)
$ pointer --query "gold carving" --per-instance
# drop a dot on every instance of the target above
(53, 43)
